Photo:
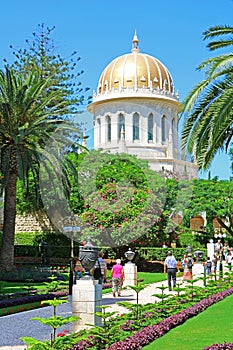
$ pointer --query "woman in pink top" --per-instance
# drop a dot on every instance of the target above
(117, 277)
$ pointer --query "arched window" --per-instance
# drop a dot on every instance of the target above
(150, 125)
(136, 126)
(121, 125)
(163, 129)
(99, 130)
(174, 131)
(109, 129)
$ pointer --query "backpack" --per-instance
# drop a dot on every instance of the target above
(97, 272)
(190, 264)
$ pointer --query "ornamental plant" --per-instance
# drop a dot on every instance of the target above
(104, 335)
(154, 321)
(156, 315)
(162, 296)
(54, 321)
(138, 288)
(121, 195)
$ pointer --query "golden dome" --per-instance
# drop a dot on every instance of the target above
(135, 71)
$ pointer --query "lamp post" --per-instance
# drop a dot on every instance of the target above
(44, 252)
(219, 234)
(70, 232)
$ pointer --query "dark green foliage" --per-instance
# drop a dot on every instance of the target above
(40, 51)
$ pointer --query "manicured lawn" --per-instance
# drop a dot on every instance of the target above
(18, 287)
(149, 277)
(212, 326)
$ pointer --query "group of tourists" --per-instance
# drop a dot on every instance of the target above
(170, 267)
(222, 252)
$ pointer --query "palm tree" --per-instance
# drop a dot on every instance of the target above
(208, 109)
(26, 124)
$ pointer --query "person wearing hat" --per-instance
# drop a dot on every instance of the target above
(170, 265)
(117, 273)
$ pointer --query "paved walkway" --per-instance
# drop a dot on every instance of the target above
(18, 325)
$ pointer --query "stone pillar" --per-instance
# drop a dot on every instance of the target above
(198, 270)
(210, 250)
(130, 271)
(86, 298)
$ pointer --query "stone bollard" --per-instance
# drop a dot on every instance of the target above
(130, 272)
(86, 298)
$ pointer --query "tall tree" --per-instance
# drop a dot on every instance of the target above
(40, 51)
(29, 117)
(208, 109)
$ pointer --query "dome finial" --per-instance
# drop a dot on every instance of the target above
(135, 42)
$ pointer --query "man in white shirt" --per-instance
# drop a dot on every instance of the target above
(170, 265)
(218, 247)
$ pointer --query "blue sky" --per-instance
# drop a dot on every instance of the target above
(102, 30)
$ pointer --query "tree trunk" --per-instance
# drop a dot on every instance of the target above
(9, 216)
(228, 228)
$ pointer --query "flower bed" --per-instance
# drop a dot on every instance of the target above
(150, 333)
(20, 308)
(225, 346)
(29, 299)
(14, 303)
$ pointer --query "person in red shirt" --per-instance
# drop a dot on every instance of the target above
(117, 273)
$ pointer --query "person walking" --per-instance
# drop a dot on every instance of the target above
(184, 262)
(78, 270)
(214, 266)
(217, 247)
(170, 265)
(99, 270)
(117, 273)
(190, 264)
(208, 266)
(225, 250)
(229, 259)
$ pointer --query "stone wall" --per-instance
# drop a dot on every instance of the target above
(37, 222)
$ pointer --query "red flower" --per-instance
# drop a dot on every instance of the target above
(62, 334)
